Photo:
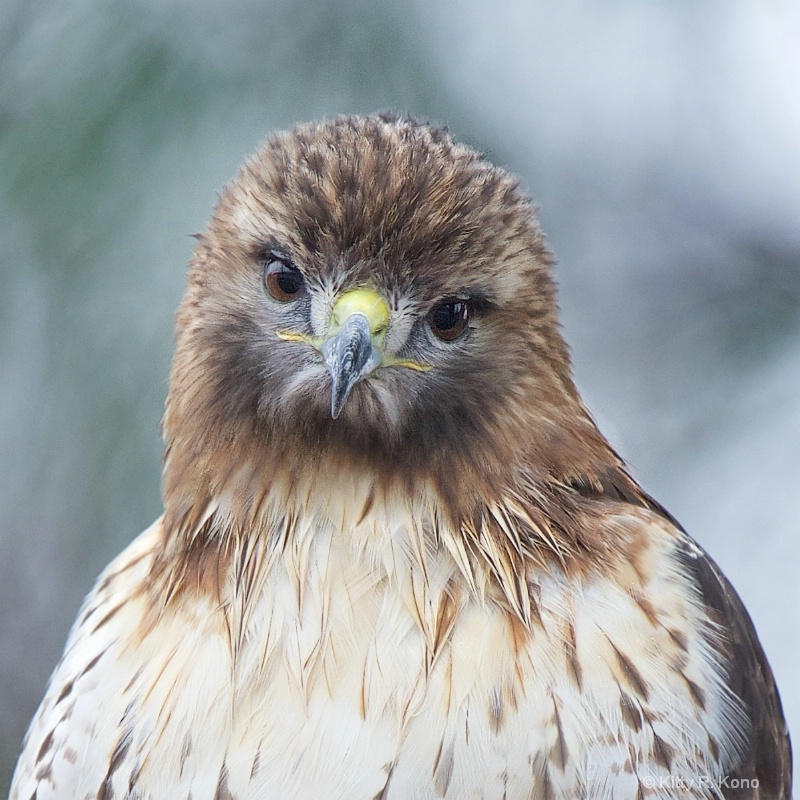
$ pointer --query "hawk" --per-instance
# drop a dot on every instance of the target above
(397, 559)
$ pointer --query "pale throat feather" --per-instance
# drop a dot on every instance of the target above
(312, 608)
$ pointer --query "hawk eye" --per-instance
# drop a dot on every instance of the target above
(282, 279)
(449, 319)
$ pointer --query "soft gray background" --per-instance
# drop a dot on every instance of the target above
(661, 140)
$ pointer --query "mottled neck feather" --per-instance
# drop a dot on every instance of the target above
(501, 525)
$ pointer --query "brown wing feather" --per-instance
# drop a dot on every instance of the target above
(768, 755)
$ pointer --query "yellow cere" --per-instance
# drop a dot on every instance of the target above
(375, 309)
(362, 301)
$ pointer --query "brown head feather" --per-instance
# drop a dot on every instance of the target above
(496, 432)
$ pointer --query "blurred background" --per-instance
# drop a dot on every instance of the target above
(660, 139)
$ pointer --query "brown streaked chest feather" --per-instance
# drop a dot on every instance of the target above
(368, 666)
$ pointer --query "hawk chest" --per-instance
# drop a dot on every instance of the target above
(333, 674)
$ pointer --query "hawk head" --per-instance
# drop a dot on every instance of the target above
(372, 298)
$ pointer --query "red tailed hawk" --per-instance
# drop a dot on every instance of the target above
(397, 558)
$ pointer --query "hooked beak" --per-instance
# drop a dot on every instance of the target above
(350, 355)
(353, 347)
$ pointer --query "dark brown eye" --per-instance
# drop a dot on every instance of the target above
(283, 280)
(449, 319)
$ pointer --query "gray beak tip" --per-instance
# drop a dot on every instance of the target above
(337, 401)
(349, 356)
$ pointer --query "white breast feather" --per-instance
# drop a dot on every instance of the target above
(334, 688)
